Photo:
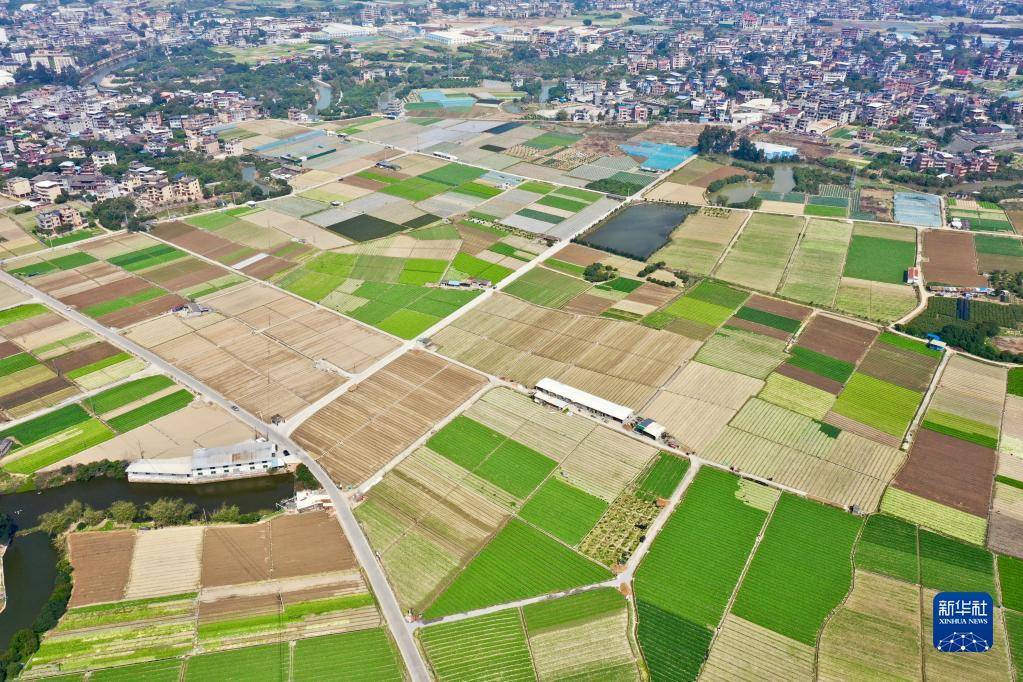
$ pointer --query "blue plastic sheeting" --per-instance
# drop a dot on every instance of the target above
(914, 208)
(445, 100)
(659, 155)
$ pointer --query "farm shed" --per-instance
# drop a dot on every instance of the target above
(574, 396)
(250, 458)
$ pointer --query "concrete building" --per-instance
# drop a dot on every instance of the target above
(243, 460)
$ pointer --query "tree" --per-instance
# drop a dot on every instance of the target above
(747, 151)
(55, 522)
(170, 512)
(562, 115)
(598, 272)
(123, 511)
(92, 517)
(115, 214)
(226, 514)
(715, 139)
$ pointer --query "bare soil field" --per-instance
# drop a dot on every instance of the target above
(366, 427)
(950, 471)
(1005, 527)
(758, 328)
(719, 174)
(166, 561)
(309, 543)
(950, 258)
(837, 338)
(142, 311)
(899, 366)
(587, 304)
(84, 356)
(102, 562)
(652, 294)
(578, 254)
(235, 554)
(778, 307)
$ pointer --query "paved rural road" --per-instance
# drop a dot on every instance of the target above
(363, 552)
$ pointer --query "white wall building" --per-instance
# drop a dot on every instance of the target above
(251, 458)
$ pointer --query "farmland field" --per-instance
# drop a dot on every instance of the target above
(664, 476)
(950, 565)
(268, 662)
(488, 647)
(883, 617)
(878, 403)
(887, 546)
(759, 256)
(880, 253)
(801, 570)
(547, 288)
(815, 270)
(916, 509)
(697, 244)
(563, 510)
(704, 545)
(519, 562)
(364, 655)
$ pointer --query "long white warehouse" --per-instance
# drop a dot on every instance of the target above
(568, 394)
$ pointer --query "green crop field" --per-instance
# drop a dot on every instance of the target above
(578, 194)
(949, 565)
(555, 201)
(415, 189)
(888, 546)
(547, 287)
(704, 546)
(949, 520)
(905, 343)
(585, 606)
(152, 411)
(106, 307)
(154, 671)
(269, 663)
(126, 393)
(815, 271)
(313, 286)
(362, 655)
(479, 268)
(540, 215)
(536, 187)
(519, 562)
(86, 370)
(825, 211)
(515, 468)
(663, 477)
(453, 174)
(961, 427)
(820, 364)
(767, 319)
(796, 396)
(491, 647)
(465, 442)
(802, 569)
(690, 308)
(478, 190)
(718, 294)
(147, 257)
(211, 221)
(552, 140)
(79, 437)
(16, 363)
(1014, 633)
(422, 271)
(878, 403)
(563, 510)
(622, 284)
(674, 648)
(878, 259)
(1010, 578)
(738, 350)
(406, 323)
(37, 429)
(21, 312)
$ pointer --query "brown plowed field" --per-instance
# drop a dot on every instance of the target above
(364, 183)
(950, 471)
(238, 606)
(193, 239)
(811, 378)
(102, 563)
(950, 258)
(652, 294)
(171, 230)
(587, 304)
(309, 543)
(773, 305)
(473, 240)
(719, 174)
(691, 329)
(33, 392)
(235, 554)
(757, 328)
(837, 338)
(578, 254)
(267, 267)
(44, 321)
(366, 427)
(184, 273)
(108, 292)
(142, 311)
(898, 366)
(83, 357)
(9, 348)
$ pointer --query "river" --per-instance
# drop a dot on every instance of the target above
(98, 77)
(324, 96)
(30, 561)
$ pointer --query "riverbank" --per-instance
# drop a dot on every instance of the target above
(3, 589)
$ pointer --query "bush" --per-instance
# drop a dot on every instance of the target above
(123, 511)
(305, 478)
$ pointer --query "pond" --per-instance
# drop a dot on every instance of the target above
(783, 182)
(30, 561)
(638, 230)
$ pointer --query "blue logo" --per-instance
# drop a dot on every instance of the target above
(964, 621)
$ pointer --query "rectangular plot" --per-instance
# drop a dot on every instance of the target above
(487, 647)
(815, 270)
(759, 256)
(101, 562)
(166, 561)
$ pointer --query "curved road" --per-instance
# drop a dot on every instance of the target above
(363, 552)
